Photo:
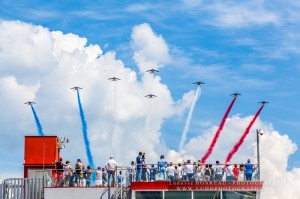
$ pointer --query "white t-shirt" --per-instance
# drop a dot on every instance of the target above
(111, 165)
(66, 170)
(228, 171)
(179, 169)
(189, 168)
(171, 170)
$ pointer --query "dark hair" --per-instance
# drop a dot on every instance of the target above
(140, 153)
(67, 161)
(217, 162)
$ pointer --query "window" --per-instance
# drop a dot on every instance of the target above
(178, 194)
(239, 194)
(148, 195)
(207, 195)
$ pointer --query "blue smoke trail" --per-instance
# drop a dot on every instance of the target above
(84, 131)
(37, 121)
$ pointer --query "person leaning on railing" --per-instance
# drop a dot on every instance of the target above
(59, 172)
(111, 167)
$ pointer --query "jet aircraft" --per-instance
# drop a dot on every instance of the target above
(235, 94)
(150, 96)
(264, 102)
(114, 79)
(29, 103)
(199, 83)
(152, 71)
(76, 88)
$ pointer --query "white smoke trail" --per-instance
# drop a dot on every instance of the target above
(116, 131)
(189, 118)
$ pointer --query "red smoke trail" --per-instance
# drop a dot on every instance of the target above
(240, 142)
(214, 141)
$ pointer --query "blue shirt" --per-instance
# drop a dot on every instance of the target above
(139, 162)
(161, 165)
(152, 173)
(248, 167)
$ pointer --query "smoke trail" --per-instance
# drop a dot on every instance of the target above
(84, 132)
(188, 120)
(37, 121)
(215, 138)
(116, 135)
(241, 140)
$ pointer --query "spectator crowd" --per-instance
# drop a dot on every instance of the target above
(139, 170)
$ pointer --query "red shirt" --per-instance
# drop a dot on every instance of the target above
(235, 171)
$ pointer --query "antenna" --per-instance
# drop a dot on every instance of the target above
(62, 141)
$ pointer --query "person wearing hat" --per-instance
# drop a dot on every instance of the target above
(111, 167)
(228, 171)
(59, 172)
(171, 172)
(98, 177)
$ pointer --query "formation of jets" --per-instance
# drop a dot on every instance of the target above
(76, 88)
(29, 103)
(114, 79)
(199, 83)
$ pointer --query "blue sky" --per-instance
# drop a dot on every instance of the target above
(233, 46)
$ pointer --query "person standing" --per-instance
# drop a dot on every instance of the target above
(189, 168)
(111, 167)
(78, 172)
(88, 175)
(161, 166)
(98, 177)
(67, 173)
(241, 176)
(218, 171)
(228, 171)
(59, 172)
(131, 172)
(171, 172)
(207, 173)
(235, 172)
(248, 170)
(139, 166)
(179, 171)
(152, 173)
(104, 177)
(212, 171)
